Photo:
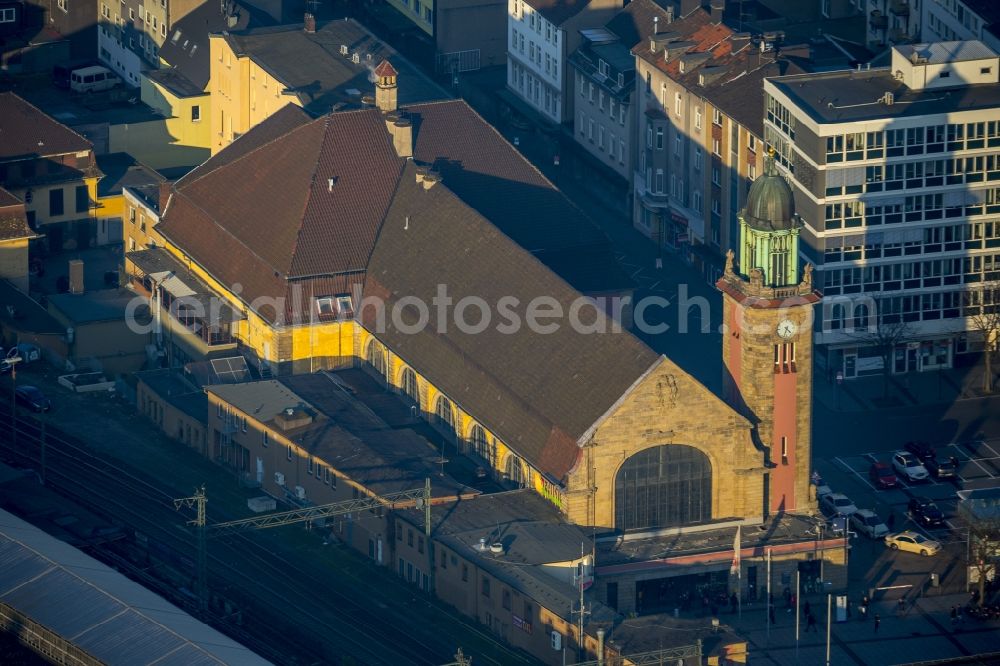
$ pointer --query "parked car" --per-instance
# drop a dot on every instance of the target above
(913, 542)
(32, 398)
(92, 79)
(907, 465)
(925, 512)
(924, 451)
(882, 475)
(941, 469)
(61, 72)
(868, 523)
(839, 504)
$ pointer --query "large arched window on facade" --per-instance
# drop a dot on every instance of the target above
(664, 486)
(445, 414)
(516, 473)
(478, 443)
(408, 384)
(375, 355)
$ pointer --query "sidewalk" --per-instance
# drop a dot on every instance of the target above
(916, 388)
(923, 632)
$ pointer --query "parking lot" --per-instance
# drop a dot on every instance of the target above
(872, 564)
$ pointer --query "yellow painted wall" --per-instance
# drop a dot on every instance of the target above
(464, 421)
(163, 143)
(40, 201)
(14, 262)
(243, 94)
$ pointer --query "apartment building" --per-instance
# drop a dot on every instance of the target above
(463, 35)
(604, 83)
(256, 72)
(52, 170)
(893, 171)
(541, 36)
(73, 20)
(698, 83)
(131, 33)
(961, 20)
(893, 21)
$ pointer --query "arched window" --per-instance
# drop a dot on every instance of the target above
(478, 443)
(445, 414)
(516, 472)
(375, 355)
(837, 317)
(408, 384)
(861, 317)
(664, 486)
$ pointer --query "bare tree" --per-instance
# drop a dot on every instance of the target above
(984, 547)
(982, 311)
(876, 325)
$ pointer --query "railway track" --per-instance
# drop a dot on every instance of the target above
(349, 628)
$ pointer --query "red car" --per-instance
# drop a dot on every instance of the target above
(882, 475)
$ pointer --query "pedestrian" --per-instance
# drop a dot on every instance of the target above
(805, 610)
(878, 621)
(791, 602)
(864, 612)
(901, 604)
(954, 615)
(954, 461)
(771, 614)
(811, 623)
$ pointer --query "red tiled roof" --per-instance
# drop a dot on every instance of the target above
(26, 130)
(385, 68)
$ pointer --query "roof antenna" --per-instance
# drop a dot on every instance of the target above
(656, 25)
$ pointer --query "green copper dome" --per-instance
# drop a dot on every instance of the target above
(770, 204)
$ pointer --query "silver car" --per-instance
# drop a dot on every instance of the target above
(868, 523)
(906, 464)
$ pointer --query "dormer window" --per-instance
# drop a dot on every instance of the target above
(345, 307)
(325, 306)
(602, 67)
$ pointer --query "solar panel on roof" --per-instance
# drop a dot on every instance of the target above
(231, 370)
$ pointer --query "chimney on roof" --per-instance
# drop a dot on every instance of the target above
(164, 196)
(428, 178)
(402, 136)
(310, 24)
(75, 276)
(717, 8)
(670, 14)
(385, 87)
(688, 6)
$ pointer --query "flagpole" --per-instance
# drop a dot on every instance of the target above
(797, 600)
(769, 611)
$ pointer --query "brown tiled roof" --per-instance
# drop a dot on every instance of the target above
(540, 392)
(277, 200)
(492, 177)
(737, 86)
(558, 11)
(13, 220)
(26, 131)
(262, 212)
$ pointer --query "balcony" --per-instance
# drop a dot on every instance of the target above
(899, 7)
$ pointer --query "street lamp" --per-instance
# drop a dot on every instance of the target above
(12, 359)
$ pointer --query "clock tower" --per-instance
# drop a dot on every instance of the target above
(768, 306)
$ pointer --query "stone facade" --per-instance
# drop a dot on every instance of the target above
(767, 355)
(665, 407)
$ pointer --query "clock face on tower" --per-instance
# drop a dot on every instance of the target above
(787, 329)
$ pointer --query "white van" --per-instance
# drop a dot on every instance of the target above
(92, 79)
